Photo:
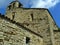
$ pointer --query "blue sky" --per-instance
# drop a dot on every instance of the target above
(52, 5)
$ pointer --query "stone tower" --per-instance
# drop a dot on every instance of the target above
(28, 26)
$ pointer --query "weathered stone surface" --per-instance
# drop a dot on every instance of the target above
(20, 25)
(14, 35)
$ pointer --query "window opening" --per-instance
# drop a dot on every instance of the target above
(13, 15)
(27, 40)
(32, 16)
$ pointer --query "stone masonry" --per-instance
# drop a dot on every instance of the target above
(28, 26)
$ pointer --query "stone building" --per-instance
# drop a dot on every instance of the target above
(28, 26)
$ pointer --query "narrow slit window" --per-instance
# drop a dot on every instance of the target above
(13, 15)
(32, 16)
(27, 40)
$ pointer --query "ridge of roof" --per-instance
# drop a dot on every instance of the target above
(37, 8)
(52, 18)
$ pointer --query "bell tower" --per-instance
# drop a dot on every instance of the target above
(12, 9)
(16, 3)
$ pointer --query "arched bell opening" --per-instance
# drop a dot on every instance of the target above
(15, 4)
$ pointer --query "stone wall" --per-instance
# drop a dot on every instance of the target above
(57, 37)
(11, 34)
(33, 19)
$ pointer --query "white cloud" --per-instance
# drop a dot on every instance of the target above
(44, 3)
(32, 3)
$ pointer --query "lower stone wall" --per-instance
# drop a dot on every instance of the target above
(10, 34)
(57, 37)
